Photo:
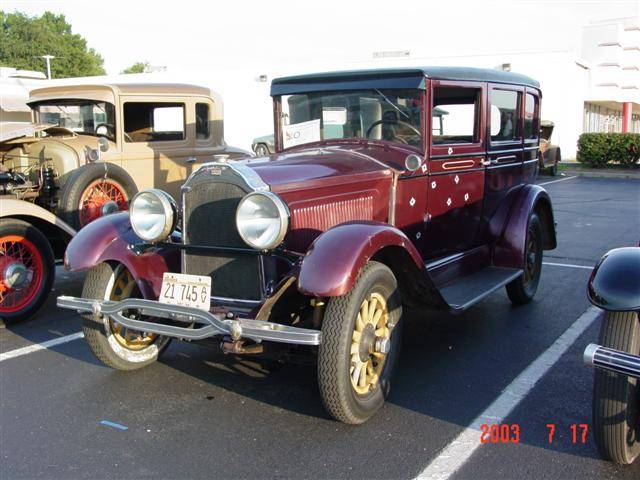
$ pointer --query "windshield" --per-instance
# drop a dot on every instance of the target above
(81, 116)
(392, 115)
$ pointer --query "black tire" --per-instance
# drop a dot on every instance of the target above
(523, 289)
(334, 357)
(13, 227)
(553, 170)
(262, 150)
(99, 284)
(616, 397)
(79, 180)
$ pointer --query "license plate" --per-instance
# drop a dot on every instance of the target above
(186, 290)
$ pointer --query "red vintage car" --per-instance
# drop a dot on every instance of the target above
(398, 187)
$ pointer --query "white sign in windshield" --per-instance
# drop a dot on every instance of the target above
(300, 133)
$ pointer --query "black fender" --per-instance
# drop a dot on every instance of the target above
(615, 281)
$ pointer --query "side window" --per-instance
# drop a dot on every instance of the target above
(530, 122)
(153, 122)
(455, 115)
(504, 115)
(203, 128)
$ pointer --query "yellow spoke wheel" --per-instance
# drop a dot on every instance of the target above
(369, 342)
(123, 287)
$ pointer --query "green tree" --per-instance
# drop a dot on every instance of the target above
(24, 39)
(138, 67)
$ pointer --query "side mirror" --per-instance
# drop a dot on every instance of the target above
(103, 144)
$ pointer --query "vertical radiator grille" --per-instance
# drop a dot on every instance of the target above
(210, 221)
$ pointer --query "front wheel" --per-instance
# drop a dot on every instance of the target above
(523, 289)
(27, 269)
(113, 344)
(360, 345)
(616, 397)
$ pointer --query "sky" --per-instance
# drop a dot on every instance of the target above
(190, 35)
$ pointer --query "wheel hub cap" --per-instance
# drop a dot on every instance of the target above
(370, 343)
(16, 275)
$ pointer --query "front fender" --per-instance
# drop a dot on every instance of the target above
(615, 281)
(511, 230)
(336, 257)
(111, 239)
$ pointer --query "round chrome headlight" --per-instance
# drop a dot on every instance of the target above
(153, 215)
(262, 219)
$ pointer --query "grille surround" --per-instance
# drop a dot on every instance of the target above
(209, 201)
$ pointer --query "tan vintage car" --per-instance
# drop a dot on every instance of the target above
(88, 152)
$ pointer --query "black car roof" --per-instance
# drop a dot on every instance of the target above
(406, 77)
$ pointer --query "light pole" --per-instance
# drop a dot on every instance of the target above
(48, 58)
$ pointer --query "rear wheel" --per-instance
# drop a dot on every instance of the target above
(113, 344)
(523, 289)
(553, 169)
(360, 346)
(616, 397)
(27, 269)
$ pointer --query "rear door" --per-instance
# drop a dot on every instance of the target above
(505, 147)
(456, 171)
(531, 135)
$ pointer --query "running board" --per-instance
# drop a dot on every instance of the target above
(466, 291)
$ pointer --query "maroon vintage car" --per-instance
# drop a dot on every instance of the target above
(388, 188)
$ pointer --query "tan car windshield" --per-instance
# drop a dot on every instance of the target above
(80, 116)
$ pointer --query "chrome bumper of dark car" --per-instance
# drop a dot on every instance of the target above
(612, 360)
(201, 324)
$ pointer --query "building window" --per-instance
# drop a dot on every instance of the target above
(603, 118)
(203, 127)
(153, 122)
(455, 115)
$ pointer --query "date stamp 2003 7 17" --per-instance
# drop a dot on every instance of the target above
(511, 433)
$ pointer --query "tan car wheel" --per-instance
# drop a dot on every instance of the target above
(112, 343)
(361, 338)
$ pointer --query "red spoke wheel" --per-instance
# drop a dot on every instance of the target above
(26, 269)
(93, 191)
(101, 197)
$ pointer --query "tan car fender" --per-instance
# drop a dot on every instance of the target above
(10, 207)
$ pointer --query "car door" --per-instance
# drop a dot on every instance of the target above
(158, 146)
(531, 135)
(505, 147)
(456, 166)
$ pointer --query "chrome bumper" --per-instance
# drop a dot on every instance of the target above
(612, 360)
(206, 324)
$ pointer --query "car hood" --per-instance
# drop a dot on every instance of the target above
(323, 166)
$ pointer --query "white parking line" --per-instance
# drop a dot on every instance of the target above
(18, 352)
(456, 454)
(569, 265)
(561, 180)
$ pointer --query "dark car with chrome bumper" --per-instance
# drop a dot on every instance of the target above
(615, 287)
(363, 209)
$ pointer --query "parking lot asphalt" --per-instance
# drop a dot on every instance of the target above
(200, 414)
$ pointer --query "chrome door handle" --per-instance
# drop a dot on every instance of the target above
(191, 159)
(505, 158)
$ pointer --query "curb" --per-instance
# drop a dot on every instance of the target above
(597, 174)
